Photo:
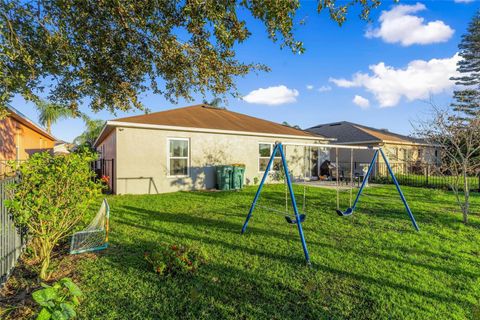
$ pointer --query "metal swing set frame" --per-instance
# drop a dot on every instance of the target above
(300, 217)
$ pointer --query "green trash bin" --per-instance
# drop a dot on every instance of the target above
(238, 175)
(224, 174)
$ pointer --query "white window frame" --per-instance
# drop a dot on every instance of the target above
(271, 149)
(173, 158)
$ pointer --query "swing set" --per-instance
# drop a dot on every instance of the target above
(299, 217)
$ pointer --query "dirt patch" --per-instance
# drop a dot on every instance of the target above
(16, 294)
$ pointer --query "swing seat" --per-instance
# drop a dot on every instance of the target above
(294, 221)
(345, 213)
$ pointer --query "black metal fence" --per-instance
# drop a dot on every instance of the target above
(105, 170)
(425, 175)
(415, 174)
(11, 239)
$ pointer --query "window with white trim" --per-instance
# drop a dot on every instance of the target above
(178, 157)
(264, 153)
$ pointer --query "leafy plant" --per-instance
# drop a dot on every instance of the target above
(175, 259)
(58, 301)
(51, 198)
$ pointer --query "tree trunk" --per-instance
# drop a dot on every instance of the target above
(466, 199)
(45, 254)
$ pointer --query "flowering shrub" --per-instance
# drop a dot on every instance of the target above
(105, 179)
(175, 259)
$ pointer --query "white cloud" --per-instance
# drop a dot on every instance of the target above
(463, 1)
(417, 80)
(324, 89)
(344, 83)
(272, 95)
(399, 26)
(309, 86)
(360, 101)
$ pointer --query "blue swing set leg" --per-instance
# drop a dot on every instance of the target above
(350, 210)
(298, 221)
(410, 214)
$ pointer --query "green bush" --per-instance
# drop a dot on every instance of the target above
(50, 199)
(58, 301)
(175, 259)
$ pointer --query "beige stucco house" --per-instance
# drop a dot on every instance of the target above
(178, 149)
(403, 152)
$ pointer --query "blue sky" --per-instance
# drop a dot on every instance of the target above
(380, 74)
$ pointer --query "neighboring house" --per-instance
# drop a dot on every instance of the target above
(62, 147)
(21, 137)
(402, 151)
(178, 149)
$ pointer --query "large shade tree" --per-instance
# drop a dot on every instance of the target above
(107, 53)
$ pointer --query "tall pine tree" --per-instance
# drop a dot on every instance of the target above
(467, 97)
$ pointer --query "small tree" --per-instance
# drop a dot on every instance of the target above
(459, 143)
(51, 198)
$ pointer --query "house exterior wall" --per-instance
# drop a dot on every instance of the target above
(141, 159)
(19, 141)
(107, 148)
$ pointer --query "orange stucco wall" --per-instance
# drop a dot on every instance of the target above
(19, 141)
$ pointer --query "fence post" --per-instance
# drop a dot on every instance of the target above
(11, 238)
(112, 178)
(427, 171)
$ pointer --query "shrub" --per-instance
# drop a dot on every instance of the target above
(51, 197)
(175, 259)
(59, 300)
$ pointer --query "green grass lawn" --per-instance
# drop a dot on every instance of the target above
(372, 265)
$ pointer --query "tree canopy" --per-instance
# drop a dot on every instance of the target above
(108, 53)
(49, 113)
(467, 97)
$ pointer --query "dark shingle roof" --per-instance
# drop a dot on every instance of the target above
(348, 132)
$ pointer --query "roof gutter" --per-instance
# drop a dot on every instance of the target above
(100, 135)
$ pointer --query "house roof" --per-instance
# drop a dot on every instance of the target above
(20, 117)
(208, 119)
(352, 133)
